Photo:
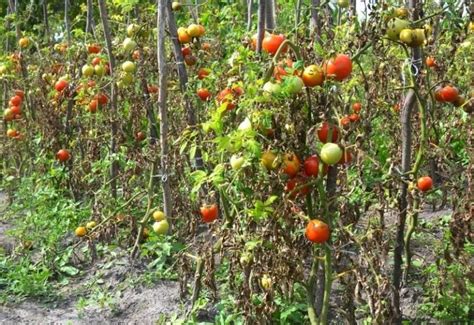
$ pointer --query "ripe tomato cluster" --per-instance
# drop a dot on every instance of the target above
(14, 112)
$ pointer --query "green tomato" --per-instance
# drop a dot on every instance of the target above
(99, 70)
(161, 227)
(343, 3)
(271, 88)
(295, 84)
(395, 26)
(236, 162)
(129, 45)
(129, 66)
(87, 70)
(331, 153)
(126, 78)
(132, 29)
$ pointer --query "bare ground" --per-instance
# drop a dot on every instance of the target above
(103, 294)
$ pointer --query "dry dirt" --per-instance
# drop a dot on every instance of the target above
(114, 300)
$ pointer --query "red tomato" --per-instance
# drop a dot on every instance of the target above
(15, 100)
(96, 61)
(356, 107)
(294, 183)
(61, 85)
(317, 231)
(345, 122)
(12, 133)
(102, 99)
(203, 73)
(140, 136)
(291, 164)
(93, 106)
(93, 48)
(204, 94)
(311, 166)
(430, 62)
(15, 110)
(152, 89)
(209, 213)
(226, 97)
(339, 67)
(238, 91)
(63, 155)
(449, 94)
(323, 132)
(190, 60)
(272, 42)
(354, 117)
(186, 51)
(424, 183)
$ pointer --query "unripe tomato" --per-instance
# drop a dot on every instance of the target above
(331, 153)
(339, 67)
(291, 164)
(80, 231)
(63, 155)
(12, 133)
(424, 183)
(317, 231)
(272, 42)
(159, 215)
(209, 213)
(324, 131)
(269, 160)
(313, 76)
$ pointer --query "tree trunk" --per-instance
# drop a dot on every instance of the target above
(261, 24)
(90, 18)
(315, 23)
(183, 80)
(67, 23)
(407, 110)
(113, 100)
(46, 21)
(162, 79)
(270, 23)
(249, 14)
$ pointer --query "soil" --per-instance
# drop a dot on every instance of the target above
(106, 292)
(103, 294)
